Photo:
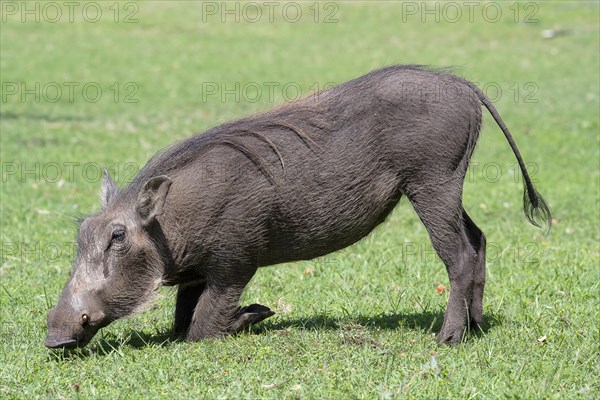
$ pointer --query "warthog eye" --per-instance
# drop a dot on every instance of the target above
(85, 319)
(118, 235)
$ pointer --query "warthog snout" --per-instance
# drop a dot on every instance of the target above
(70, 326)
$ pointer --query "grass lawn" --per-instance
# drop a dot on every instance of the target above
(83, 90)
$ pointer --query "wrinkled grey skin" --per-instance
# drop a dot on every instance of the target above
(297, 182)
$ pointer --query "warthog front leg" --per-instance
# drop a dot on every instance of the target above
(217, 312)
(187, 299)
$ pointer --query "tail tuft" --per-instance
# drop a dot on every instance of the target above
(535, 208)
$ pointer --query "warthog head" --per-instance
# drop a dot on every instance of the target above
(119, 264)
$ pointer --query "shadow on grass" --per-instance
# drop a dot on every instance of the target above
(427, 322)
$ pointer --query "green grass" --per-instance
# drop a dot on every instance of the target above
(362, 323)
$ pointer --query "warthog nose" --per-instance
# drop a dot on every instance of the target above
(54, 343)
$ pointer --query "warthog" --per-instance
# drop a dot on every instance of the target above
(293, 183)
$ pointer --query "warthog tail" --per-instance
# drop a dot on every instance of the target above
(535, 207)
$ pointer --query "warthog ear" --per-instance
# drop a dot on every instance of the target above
(151, 199)
(107, 191)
